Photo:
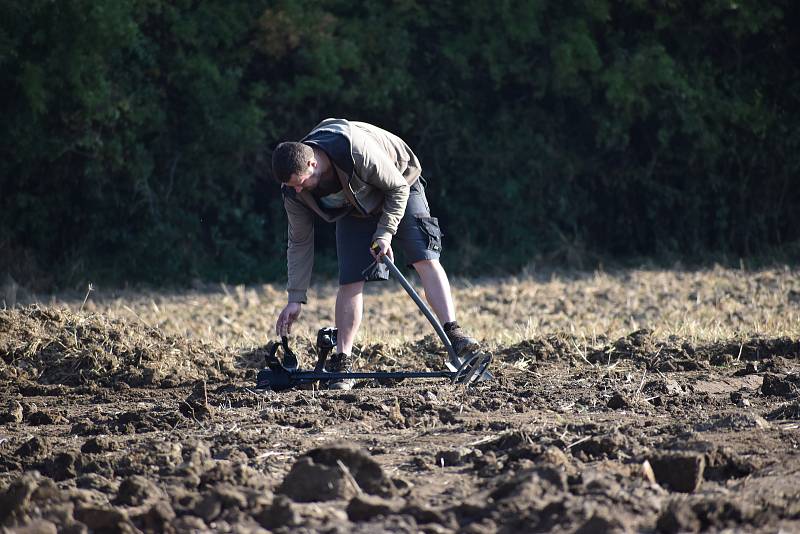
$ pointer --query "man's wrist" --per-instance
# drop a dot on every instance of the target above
(385, 235)
(297, 295)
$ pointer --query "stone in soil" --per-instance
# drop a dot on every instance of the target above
(678, 471)
(190, 523)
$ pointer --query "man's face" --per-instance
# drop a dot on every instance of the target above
(305, 181)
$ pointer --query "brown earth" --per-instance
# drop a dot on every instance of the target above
(110, 425)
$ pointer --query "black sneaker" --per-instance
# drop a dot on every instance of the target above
(462, 343)
(341, 363)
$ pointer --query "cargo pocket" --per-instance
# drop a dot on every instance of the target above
(430, 228)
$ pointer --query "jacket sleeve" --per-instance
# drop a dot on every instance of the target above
(376, 168)
(300, 249)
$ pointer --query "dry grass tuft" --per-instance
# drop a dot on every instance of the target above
(699, 306)
(58, 346)
(198, 333)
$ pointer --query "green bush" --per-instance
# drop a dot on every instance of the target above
(137, 134)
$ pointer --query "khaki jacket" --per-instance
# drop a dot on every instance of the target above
(376, 169)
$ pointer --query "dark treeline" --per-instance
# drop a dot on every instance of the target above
(136, 135)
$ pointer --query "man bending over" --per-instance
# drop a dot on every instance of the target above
(367, 181)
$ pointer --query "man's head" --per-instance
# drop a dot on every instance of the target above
(293, 162)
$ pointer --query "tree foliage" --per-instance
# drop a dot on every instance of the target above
(136, 134)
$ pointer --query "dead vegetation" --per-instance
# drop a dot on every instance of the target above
(697, 306)
(58, 346)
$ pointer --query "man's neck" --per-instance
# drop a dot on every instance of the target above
(328, 182)
(323, 163)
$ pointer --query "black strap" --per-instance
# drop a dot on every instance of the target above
(289, 362)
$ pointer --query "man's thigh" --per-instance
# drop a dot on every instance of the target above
(418, 236)
(353, 239)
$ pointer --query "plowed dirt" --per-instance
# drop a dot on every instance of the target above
(110, 425)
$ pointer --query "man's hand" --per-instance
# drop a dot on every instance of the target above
(287, 317)
(380, 248)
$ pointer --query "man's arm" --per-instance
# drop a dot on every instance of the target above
(300, 249)
(376, 168)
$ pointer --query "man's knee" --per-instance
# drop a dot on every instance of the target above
(422, 265)
(351, 289)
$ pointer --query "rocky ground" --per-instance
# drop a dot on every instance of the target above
(113, 425)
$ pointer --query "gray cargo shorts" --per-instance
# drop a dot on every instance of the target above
(418, 235)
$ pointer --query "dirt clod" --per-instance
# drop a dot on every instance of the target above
(98, 444)
(12, 413)
(452, 457)
(157, 518)
(365, 470)
(602, 523)
(136, 490)
(679, 471)
(309, 481)
(678, 517)
(37, 526)
(780, 386)
(44, 418)
(62, 466)
(104, 519)
(366, 507)
(36, 447)
(618, 401)
(281, 513)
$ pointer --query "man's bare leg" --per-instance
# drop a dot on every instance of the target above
(437, 292)
(349, 309)
(437, 289)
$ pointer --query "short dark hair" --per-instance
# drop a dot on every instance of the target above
(290, 158)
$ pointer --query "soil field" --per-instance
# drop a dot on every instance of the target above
(638, 401)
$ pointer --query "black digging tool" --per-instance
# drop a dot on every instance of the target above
(282, 375)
